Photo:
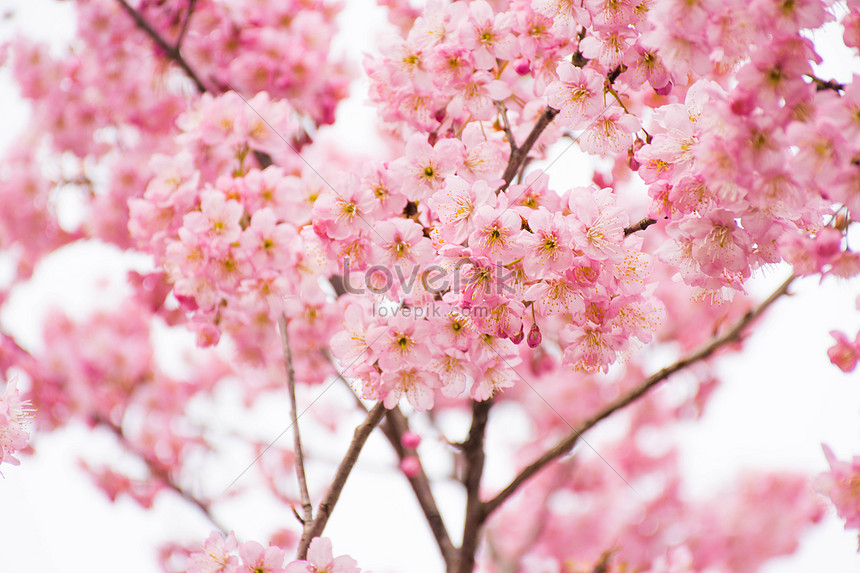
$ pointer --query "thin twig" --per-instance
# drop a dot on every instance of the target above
(159, 472)
(394, 427)
(506, 125)
(184, 28)
(171, 51)
(307, 507)
(640, 226)
(519, 156)
(326, 506)
(734, 334)
(473, 451)
(821, 85)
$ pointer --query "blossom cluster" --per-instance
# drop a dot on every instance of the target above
(842, 485)
(218, 556)
(14, 414)
(448, 267)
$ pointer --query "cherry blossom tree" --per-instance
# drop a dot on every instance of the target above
(438, 278)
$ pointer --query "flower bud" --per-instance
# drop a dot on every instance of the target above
(534, 336)
(410, 440)
(522, 66)
(518, 337)
(665, 90)
(410, 466)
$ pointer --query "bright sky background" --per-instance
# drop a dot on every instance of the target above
(780, 400)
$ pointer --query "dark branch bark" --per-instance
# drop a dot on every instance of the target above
(184, 29)
(307, 508)
(362, 432)
(473, 451)
(640, 226)
(519, 156)
(734, 334)
(394, 427)
(821, 85)
(506, 125)
(171, 52)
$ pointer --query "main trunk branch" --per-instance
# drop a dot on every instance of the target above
(473, 451)
(519, 155)
(326, 506)
(395, 426)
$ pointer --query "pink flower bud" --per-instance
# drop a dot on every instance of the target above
(319, 227)
(665, 90)
(518, 337)
(522, 66)
(743, 104)
(631, 154)
(534, 337)
(410, 440)
(410, 466)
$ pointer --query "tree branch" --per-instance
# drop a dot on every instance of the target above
(395, 426)
(503, 112)
(326, 506)
(307, 508)
(519, 156)
(734, 334)
(473, 450)
(821, 85)
(640, 226)
(172, 52)
(162, 474)
(184, 28)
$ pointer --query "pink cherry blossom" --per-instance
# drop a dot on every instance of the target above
(320, 560)
(425, 167)
(577, 95)
(456, 204)
(14, 414)
(547, 245)
(495, 232)
(215, 555)
(414, 383)
(259, 559)
(844, 353)
(840, 484)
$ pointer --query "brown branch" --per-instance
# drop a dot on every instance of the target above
(326, 506)
(640, 226)
(821, 85)
(519, 156)
(506, 125)
(184, 29)
(307, 508)
(172, 52)
(473, 450)
(395, 426)
(734, 334)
